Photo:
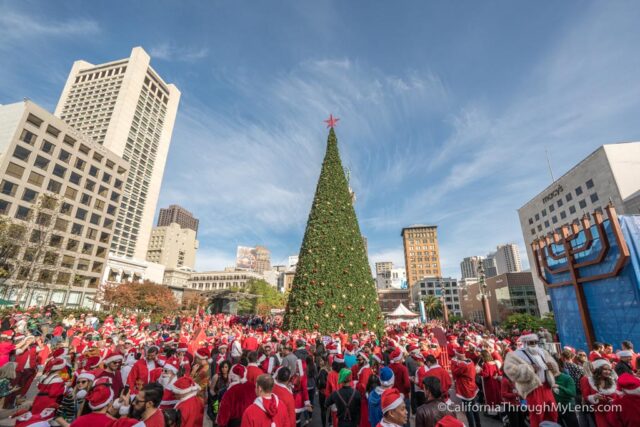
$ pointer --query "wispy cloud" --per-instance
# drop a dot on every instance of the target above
(19, 26)
(171, 52)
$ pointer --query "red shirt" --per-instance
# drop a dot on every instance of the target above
(253, 372)
(93, 420)
(265, 413)
(286, 398)
(191, 411)
(401, 378)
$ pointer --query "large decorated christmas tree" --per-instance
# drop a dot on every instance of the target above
(333, 287)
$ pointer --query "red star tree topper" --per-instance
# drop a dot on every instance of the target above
(331, 121)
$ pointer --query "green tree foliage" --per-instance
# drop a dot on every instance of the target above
(268, 297)
(526, 321)
(146, 297)
(432, 306)
(333, 287)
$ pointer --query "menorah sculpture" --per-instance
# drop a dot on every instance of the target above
(569, 238)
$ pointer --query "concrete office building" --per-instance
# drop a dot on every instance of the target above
(212, 280)
(177, 277)
(396, 278)
(173, 246)
(469, 266)
(263, 259)
(179, 215)
(42, 158)
(421, 252)
(508, 258)
(490, 265)
(508, 293)
(125, 106)
(434, 286)
(383, 266)
(611, 172)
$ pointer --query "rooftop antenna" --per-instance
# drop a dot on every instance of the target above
(546, 152)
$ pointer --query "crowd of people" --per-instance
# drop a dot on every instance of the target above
(230, 371)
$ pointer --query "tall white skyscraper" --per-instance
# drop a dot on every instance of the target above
(469, 266)
(508, 258)
(127, 107)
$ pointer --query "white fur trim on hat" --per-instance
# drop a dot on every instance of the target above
(598, 363)
(625, 353)
(86, 375)
(393, 405)
(113, 358)
(102, 405)
(528, 338)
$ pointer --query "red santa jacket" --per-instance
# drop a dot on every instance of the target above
(50, 392)
(191, 411)
(155, 420)
(234, 402)
(286, 398)
(28, 358)
(299, 386)
(253, 372)
(629, 413)
(464, 375)
(140, 373)
(250, 343)
(401, 378)
(93, 420)
(265, 413)
(438, 372)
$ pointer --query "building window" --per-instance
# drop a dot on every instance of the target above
(569, 197)
(546, 224)
(65, 156)
(41, 163)
(559, 202)
(21, 153)
(75, 178)
(59, 171)
(8, 188)
(530, 221)
(27, 137)
(15, 170)
(544, 212)
(539, 227)
(537, 217)
(563, 215)
(47, 147)
(582, 204)
(572, 209)
(22, 213)
(54, 186)
(80, 164)
(93, 171)
(29, 195)
(554, 219)
(589, 184)
(578, 191)
(594, 197)
(81, 213)
(552, 208)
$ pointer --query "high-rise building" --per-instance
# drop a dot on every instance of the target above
(383, 266)
(395, 278)
(508, 258)
(263, 259)
(421, 252)
(125, 106)
(489, 265)
(469, 266)
(609, 174)
(180, 216)
(173, 246)
(435, 286)
(62, 192)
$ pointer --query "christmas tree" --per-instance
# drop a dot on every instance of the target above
(333, 287)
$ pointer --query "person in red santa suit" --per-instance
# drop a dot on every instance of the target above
(112, 363)
(452, 345)
(266, 410)
(239, 395)
(332, 383)
(531, 370)
(282, 390)
(185, 359)
(394, 409)
(431, 368)
(250, 342)
(253, 370)
(99, 400)
(362, 376)
(51, 389)
(221, 356)
(27, 363)
(402, 382)
(628, 412)
(189, 404)
(599, 390)
(140, 374)
(168, 377)
(597, 352)
(299, 388)
(463, 371)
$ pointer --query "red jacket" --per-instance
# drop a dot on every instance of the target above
(191, 411)
(464, 375)
(139, 373)
(438, 372)
(250, 343)
(253, 372)
(286, 398)
(629, 413)
(93, 420)
(234, 402)
(401, 378)
(265, 413)
(507, 392)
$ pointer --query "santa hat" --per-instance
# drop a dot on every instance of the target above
(598, 363)
(417, 356)
(183, 347)
(396, 355)
(450, 421)
(625, 353)
(104, 381)
(113, 356)
(172, 364)
(391, 399)
(413, 349)
(529, 338)
(386, 377)
(332, 347)
(86, 375)
(338, 358)
(202, 353)
(239, 372)
(363, 354)
(184, 385)
(92, 362)
(54, 365)
(571, 349)
(629, 384)
(42, 419)
(6, 334)
(100, 397)
(378, 357)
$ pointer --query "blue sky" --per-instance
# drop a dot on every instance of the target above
(446, 107)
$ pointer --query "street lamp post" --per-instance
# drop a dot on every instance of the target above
(445, 310)
(484, 296)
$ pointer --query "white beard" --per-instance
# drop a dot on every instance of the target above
(164, 380)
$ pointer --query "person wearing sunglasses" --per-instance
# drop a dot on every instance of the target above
(73, 402)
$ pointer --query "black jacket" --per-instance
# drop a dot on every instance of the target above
(347, 401)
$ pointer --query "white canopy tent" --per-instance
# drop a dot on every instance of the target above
(403, 315)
